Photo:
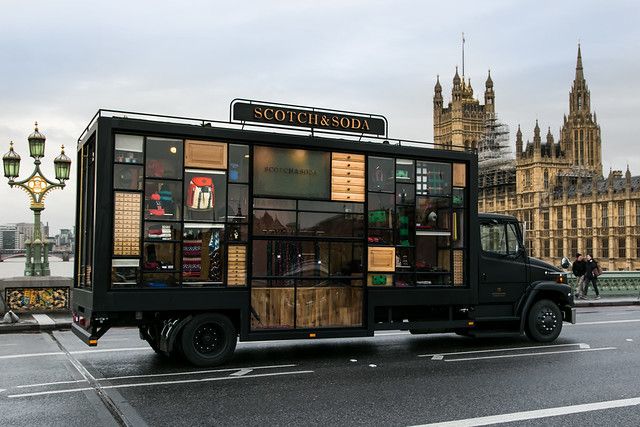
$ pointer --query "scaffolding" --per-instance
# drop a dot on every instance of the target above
(495, 160)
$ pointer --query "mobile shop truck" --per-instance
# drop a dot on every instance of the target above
(292, 223)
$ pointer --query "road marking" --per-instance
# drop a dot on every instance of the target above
(604, 322)
(207, 371)
(48, 384)
(494, 350)
(7, 345)
(536, 414)
(241, 372)
(43, 320)
(20, 356)
(543, 353)
(198, 380)
(59, 353)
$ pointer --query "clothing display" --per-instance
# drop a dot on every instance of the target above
(191, 258)
(201, 193)
(161, 203)
(159, 232)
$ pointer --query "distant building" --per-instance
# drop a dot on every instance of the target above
(8, 237)
(556, 189)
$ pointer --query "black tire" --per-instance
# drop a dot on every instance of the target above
(544, 321)
(208, 340)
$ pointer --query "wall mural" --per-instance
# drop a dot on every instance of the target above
(20, 299)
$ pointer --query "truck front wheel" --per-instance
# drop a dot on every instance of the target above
(208, 339)
(544, 321)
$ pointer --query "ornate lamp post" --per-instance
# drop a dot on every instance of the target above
(37, 187)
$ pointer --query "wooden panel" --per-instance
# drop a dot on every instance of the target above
(381, 258)
(236, 268)
(205, 154)
(274, 307)
(353, 189)
(347, 197)
(347, 180)
(328, 307)
(459, 175)
(344, 164)
(348, 157)
(126, 224)
(458, 268)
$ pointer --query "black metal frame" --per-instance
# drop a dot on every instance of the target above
(101, 300)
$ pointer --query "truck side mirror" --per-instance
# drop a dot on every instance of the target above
(565, 263)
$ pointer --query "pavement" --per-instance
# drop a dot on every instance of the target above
(62, 320)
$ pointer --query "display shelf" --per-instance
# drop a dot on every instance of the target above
(432, 233)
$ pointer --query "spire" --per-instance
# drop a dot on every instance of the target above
(549, 137)
(456, 78)
(489, 83)
(579, 74)
(518, 143)
(438, 87)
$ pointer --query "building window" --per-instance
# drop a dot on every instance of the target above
(573, 245)
(621, 214)
(527, 179)
(605, 215)
(546, 251)
(604, 247)
(637, 247)
(545, 220)
(637, 212)
(559, 222)
(622, 247)
(574, 216)
(588, 216)
(546, 179)
(559, 248)
(588, 246)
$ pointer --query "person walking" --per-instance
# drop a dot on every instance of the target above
(591, 276)
(579, 268)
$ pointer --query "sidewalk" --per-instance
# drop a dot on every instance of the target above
(62, 321)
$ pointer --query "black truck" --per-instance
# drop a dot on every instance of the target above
(201, 233)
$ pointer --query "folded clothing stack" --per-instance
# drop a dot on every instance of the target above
(159, 232)
(191, 258)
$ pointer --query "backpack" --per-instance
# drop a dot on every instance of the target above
(597, 271)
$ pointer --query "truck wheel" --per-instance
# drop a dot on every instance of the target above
(208, 339)
(149, 338)
(544, 321)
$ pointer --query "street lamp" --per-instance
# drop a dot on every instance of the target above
(36, 186)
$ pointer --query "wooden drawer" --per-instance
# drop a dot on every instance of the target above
(347, 180)
(345, 164)
(347, 197)
(348, 157)
(381, 258)
(205, 154)
(353, 189)
(343, 172)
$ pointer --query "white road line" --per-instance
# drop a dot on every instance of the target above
(198, 380)
(494, 350)
(110, 350)
(208, 371)
(536, 414)
(43, 320)
(20, 356)
(542, 353)
(48, 384)
(603, 322)
(7, 345)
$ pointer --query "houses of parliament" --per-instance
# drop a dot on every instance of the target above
(556, 188)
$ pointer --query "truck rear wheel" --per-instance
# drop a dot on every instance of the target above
(208, 339)
(544, 321)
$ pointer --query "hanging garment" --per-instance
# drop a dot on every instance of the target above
(155, 205)
(201, 194)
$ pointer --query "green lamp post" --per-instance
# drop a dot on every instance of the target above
(36, 186)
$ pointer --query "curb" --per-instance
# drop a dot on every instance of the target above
(33, 327)
(606, 303)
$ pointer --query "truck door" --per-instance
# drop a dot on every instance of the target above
(503, 263)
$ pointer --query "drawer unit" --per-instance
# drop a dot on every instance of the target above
(381, 258)
(347, 177)
(237, 270)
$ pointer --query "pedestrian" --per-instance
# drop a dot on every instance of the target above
(591, 276)
(579, 268)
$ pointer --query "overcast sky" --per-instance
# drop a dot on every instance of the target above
(62, 60)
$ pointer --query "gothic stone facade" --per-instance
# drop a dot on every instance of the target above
(558, 191)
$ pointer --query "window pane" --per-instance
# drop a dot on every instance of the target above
(346, 259)
(127, 177)
(381, 208)
(318, 206)
(331, 224)
(125, 273)
(405, 171)
(433, 179)
(512, 239)
(129, 149)
(163, 200)
(203, 256)
(160, 256)
(430, 256)
(405, 194)
(283, 204)
(493, 238)
(160, 280)
(405, 229)
(205, 196)
(238, 203)
(238, 163)
(272, 222)
(433, 213)
(162, 230)
(164, 158)
(381, 174)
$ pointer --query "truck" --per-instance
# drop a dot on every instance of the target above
(289, 222)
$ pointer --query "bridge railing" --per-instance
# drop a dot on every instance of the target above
(615, 283)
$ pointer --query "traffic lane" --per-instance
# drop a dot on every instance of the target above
(343, 364)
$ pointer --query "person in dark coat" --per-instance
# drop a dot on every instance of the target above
(579, 268)
(591, 276)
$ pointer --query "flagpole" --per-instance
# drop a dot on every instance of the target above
(463, 56)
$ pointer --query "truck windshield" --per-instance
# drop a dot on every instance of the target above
(499, 238)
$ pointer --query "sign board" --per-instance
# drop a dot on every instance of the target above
(273, 114)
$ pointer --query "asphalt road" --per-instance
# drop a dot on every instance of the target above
(589, 376)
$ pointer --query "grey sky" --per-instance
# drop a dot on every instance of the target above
(63, 60)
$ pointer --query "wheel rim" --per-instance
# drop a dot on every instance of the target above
(208, 339)
(547, 321)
